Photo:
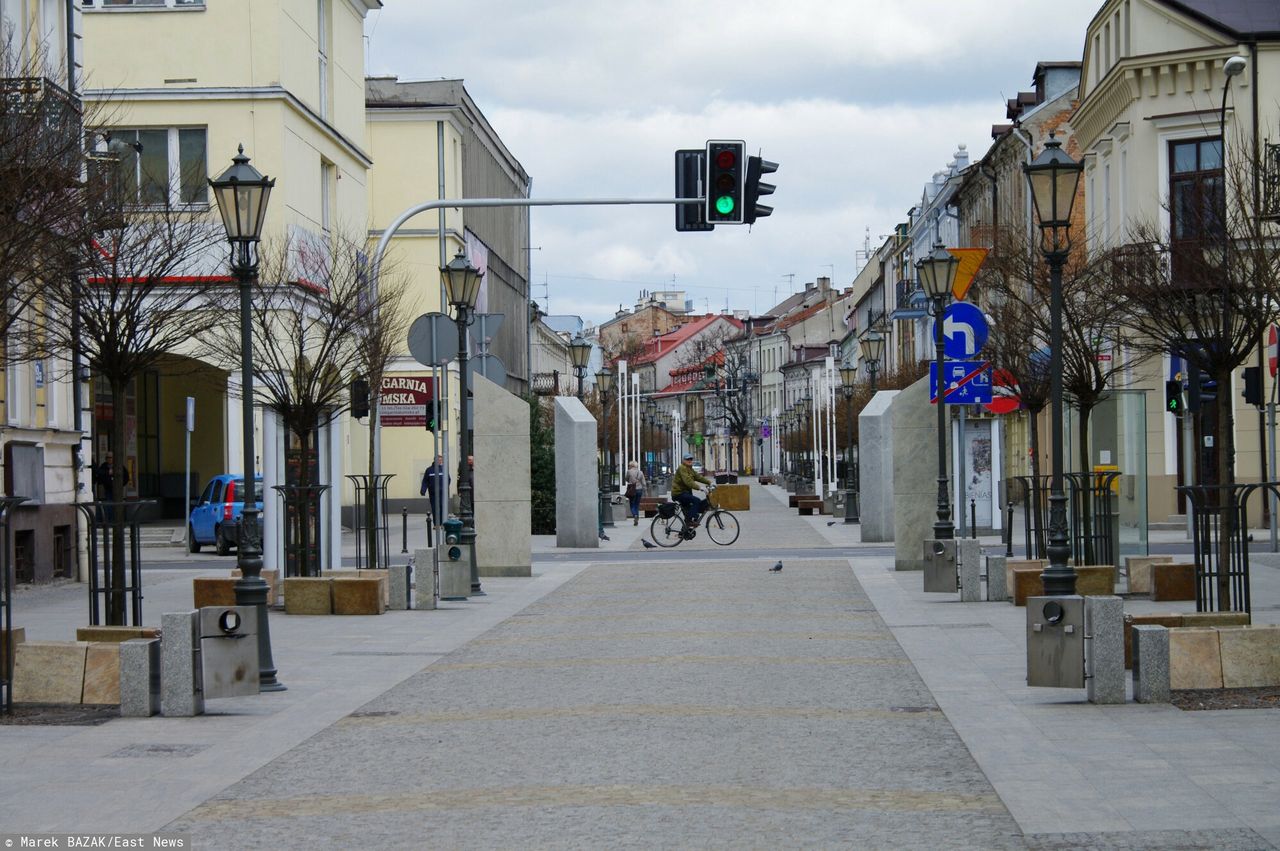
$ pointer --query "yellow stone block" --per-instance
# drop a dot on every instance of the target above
(733, 497)
(115, 633)
(19, 634)
(1139, 569)
(357, 595)
(382, 576)
(102, 673)
(308, 595)
(212, 591)
(1012, 565)
(1195, 658)
(49, 671)
(1250, 656)
(269, 575)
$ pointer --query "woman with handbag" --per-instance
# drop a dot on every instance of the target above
(635, 490)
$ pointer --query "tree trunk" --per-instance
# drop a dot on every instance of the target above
(115, 566)
(1086, 492)
(1034, 496)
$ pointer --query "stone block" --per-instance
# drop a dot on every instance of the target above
(140, 677)
(19, 635)
(502, 495)
(913, 475)
(1195, 658)
(213, 591)
(271, 576)
(997, 581)
(181, 694)
(969, 556)
(733, 497)
(356, 595)
(377, 574)
(1104, 658)
(1215, 619)
(1173, 581)
(1150, 663)
(1025, 583)
(1139, 570)
(102, 674)
(398, 587)
(1092, 580)
(116, 633)
(424, 579)
(875, 456)
(49, 671)
(1013, 564)
(308, 595)
(576, 486)
(1250, 656)
(1167, 620)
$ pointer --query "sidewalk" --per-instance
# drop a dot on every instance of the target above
(634, 697)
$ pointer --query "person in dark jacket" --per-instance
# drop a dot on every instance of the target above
(435, 484)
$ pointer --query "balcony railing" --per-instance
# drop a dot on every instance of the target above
(910, 302)
(55, 131)
(1271, 182)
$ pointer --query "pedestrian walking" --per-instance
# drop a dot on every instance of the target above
(636, 484)
(435, 484)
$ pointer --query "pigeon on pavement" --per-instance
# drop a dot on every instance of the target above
(648, 545)
(777, 568)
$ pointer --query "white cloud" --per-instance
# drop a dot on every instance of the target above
(859, 102)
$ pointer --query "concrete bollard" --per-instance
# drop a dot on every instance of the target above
(997, 584)
(1150, 663)
(398, 592)
(424, 579)
(969, 555)
(181, 693)
(1104, 655)
(139, 677)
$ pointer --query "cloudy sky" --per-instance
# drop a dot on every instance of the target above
(858, 101)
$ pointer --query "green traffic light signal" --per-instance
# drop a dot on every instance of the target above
(724, 205)
(1173, 397)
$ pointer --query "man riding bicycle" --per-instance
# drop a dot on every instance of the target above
(682, 490)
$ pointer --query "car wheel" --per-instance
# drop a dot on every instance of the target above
(193, 545)
(223, 546)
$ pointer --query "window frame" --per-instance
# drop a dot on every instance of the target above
(173, 162)
(143, 5)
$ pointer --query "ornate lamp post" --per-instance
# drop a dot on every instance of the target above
(462, 286)
(937, 275)
(811, 469)
(579, 354)
(871, 347)
(848, 375)
(242, 193)
(604, 383)
(1054, 177)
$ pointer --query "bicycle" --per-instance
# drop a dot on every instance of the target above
(670, 526)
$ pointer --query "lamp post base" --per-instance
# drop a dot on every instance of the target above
(851, 514)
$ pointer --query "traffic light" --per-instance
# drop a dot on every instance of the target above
(751, 208)
(726, 176)
(1201, 388)
(690, 171)
(1253, 386)
(1173, 397)
(359, 398)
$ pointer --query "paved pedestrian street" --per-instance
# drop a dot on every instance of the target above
(643, 705)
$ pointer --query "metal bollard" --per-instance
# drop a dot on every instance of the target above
(404, 530)
(973, 518)
(1008, 531)
(431, 522)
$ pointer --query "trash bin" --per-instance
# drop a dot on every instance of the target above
(229, 650)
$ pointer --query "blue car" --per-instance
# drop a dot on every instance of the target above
(215, 519)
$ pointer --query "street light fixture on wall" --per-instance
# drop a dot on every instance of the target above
(1054, 177)
(937, 276)
(579, 354)
(462, 287)
(848, 376)
(242, 193)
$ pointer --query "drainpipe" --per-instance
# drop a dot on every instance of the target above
(1026, 140)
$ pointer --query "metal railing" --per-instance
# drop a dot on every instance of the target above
(302, 528)
(1220, 540)
(371, 487)
(116, 585)
(1091, 516)
(7, 505)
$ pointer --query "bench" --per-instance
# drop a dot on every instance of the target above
(1224, 657)
(807, 505)
(1172, 620)
(67, 672)
(308, 595)
(1173, 581)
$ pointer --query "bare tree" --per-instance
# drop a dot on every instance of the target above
(308, 318)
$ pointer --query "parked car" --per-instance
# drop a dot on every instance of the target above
(215, 519)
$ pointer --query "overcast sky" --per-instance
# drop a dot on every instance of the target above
(858, 101)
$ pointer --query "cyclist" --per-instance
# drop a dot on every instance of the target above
(682, 490)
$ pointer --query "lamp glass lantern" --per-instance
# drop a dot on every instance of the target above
(872, 347)
(604, 380)
(462, 282)
(579, 352)
(938, 272)
(848, 375)
(1054, 177)
(242, 193)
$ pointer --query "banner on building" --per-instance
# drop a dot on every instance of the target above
(406, 400)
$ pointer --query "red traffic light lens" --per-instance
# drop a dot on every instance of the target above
(726, 159)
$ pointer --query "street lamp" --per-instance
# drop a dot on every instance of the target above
(462, 286)
(937, 275)
(848, 375)
(872, 349)
(1054, 177)
(579, 354)
(604, 383)
(242, 193)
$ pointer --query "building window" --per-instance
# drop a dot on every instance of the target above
(141, 4)
(328, 192)
(1195, 201)
(322, 52)
(161, 167)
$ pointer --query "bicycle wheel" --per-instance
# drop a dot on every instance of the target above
(722, 527)
(667, 531)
